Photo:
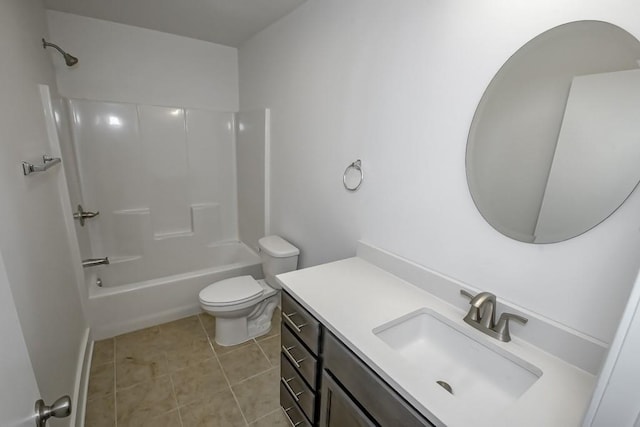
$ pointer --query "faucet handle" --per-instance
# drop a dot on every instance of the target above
(466, 294)
(474, 313)
(502, 327)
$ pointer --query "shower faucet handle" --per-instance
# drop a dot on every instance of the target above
(81, 215)
(466, 294)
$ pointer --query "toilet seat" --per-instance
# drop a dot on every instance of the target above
(236, 290)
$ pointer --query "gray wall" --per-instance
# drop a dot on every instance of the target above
(33, 238)
(396, 84)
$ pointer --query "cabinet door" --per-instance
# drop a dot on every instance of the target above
(338, 410)
(378, 399)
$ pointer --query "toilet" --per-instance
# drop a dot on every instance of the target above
(243, 306)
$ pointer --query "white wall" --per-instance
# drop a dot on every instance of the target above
(129, 64)
(396, 84)
(33, 236)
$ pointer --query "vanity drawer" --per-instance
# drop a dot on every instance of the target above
(301, 323)
(297, 388)
(298, 355)
(291, 411)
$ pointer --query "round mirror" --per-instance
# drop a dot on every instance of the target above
(554, 146)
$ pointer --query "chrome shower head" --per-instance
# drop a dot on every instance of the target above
(69, 59)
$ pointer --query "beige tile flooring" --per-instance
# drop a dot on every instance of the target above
(174, 375)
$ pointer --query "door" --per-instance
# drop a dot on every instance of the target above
(616, 398)
(338, 410)
(18, 388)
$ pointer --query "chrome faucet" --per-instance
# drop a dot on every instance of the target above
(483, 309)
(482, 316)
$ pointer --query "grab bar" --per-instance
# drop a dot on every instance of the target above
(47, 162)
(92, 262)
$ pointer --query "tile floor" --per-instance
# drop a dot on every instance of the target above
(174, 375)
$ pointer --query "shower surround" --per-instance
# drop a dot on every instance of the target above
(164, 182)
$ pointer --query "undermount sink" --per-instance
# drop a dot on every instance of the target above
(479, 375)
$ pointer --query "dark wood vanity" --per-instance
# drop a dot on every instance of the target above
(324, 384)
(300, 364)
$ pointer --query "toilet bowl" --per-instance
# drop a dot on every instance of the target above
(243, 306)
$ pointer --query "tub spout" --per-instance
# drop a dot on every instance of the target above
(92, 262)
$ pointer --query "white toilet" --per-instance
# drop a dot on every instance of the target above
(243, 306)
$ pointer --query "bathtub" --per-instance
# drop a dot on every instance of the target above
(118, 306)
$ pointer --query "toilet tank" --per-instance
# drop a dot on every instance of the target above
(278, 256)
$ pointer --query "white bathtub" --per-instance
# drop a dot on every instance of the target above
(116, 308)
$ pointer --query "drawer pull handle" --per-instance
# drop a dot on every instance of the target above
(290, 390)
(288, 317)
(287, 352)
(286, 414)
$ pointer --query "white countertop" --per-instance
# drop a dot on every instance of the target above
(352, 297)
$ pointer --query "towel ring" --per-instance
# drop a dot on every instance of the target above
(357, 165)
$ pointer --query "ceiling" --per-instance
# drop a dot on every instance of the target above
(227, 22)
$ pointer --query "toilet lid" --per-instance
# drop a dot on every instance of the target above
(230, 291)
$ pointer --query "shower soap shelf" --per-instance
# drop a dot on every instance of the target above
(47, 162)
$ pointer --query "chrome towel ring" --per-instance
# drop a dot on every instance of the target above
(357, 166)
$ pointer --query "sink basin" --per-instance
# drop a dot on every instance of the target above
(478, 374)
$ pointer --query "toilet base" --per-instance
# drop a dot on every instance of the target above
(233, 331)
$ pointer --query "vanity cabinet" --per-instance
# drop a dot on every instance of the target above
(300, 363)
(324, 384)
(355, 396)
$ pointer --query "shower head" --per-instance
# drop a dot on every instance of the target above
(69, 59)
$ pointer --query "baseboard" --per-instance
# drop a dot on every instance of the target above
(81, 385)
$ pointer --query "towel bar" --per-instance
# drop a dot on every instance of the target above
(47, 162)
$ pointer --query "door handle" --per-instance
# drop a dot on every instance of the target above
(61, 408)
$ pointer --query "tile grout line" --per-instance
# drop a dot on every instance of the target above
(112, 395)
(173, 390)
(152, 379)
(115, 388)
(255, 375)
(242, 346)
(211, 341)
(169, 374)
(265, 354)
(268, 415)
(246, 423)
